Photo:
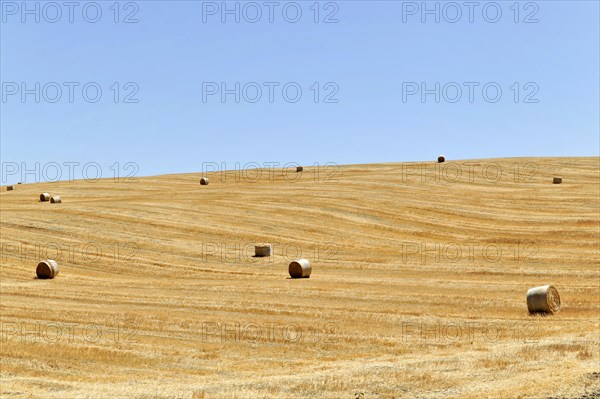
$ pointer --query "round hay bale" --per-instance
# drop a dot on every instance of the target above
(441, 159)
(299, 169)
(10, 188)
(47, 269)
(300, 268)
(557, 180)
(55, 199)
(543, 299)
(261, 250)
(44, 197)
(204, 181)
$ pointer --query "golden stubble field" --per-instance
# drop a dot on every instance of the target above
(418, 284)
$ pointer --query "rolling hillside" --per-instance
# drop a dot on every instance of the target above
(418, 287)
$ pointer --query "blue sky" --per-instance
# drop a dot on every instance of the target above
(369, 61)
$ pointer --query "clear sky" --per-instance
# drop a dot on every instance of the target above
(380, 81)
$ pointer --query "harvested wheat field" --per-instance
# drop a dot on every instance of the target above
(418, 285)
